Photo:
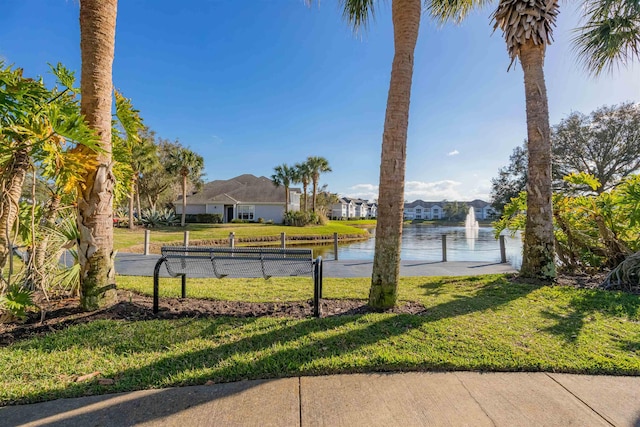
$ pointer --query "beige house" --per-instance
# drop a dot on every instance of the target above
(244, 197)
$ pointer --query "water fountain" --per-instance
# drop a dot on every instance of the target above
(471, 228)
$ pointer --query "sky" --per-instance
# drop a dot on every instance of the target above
(251, 85)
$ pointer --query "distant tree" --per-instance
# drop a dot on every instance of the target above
(317, 165)
(324, 201)
(304, 173)
(455, 211)
(156, 183)
(284, 175)
(511, 179)
(604, 144)
(189, 165)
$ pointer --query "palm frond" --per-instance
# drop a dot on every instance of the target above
(358, 13)
(610, 36)
(524, 21)
(452, 10)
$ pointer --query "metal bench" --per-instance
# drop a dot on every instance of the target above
(239, 263)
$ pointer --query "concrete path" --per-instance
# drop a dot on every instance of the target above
(399, 399)
(141, 265)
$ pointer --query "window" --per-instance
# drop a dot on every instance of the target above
(418, 210)
(245, 212)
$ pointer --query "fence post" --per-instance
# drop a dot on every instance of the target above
(444, 248)
(335, 245)
(232, 240)
(503, 251)
(186, 238)
(147, 238)
(283, 240)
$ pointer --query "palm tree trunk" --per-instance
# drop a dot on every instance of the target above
(131, 201)
(286, 199)
(13, 177)
(138, 197)
(538, 252)
(315, 191)
(95, 200)
(386, 262)
(183, 221)
(304, 188)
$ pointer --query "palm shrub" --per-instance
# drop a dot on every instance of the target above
(153, 218)
(14, 303)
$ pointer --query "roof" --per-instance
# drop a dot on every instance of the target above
(245, 188)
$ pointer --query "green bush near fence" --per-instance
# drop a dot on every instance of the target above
(205, 218)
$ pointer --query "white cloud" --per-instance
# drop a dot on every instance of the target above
(217, 139)
(453, 153)
(428, 191)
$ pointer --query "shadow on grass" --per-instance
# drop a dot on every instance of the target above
(287, 348)
(586, 304)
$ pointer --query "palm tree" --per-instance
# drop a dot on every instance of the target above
(284, 176)
(188, 165)
(406, 23)
(316, 165)
(610, 35)
(304, 173)
(95, 210)
(527, 27)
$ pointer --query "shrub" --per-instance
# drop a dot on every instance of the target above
(207, 218)
(300, 218)
(154, 218)
(15, 303)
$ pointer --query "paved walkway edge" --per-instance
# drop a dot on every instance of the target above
(404, 399)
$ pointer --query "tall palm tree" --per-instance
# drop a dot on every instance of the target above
(527, 27)
(611, 35)
(304, 173)
(317, 165)
(284, 175)
(188, 165)
(406, 23)
(95, 210)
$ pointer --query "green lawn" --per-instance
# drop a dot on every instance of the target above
(125, 238)
(470, 323)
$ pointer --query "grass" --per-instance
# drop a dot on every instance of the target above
(125, 238)
(470, 323)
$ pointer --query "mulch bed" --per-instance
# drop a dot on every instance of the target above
(62, 313)
(58, 314)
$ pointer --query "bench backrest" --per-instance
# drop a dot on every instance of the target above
(238, 262)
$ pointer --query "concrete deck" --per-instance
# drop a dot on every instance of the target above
(140, 265)
(398, 399)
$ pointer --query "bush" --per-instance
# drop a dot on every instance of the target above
(300, 219)
(208, 218)
(154, 218)
(14, 303)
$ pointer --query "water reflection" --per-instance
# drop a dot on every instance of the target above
(424, 243)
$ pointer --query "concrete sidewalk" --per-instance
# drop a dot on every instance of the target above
(129, 264)
(398, 399)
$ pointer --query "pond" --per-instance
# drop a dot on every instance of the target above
(424, 243)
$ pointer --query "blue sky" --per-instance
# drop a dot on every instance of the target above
(250, 85)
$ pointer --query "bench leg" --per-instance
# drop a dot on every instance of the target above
(184, 286)
(156, 284)
(317, 286)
